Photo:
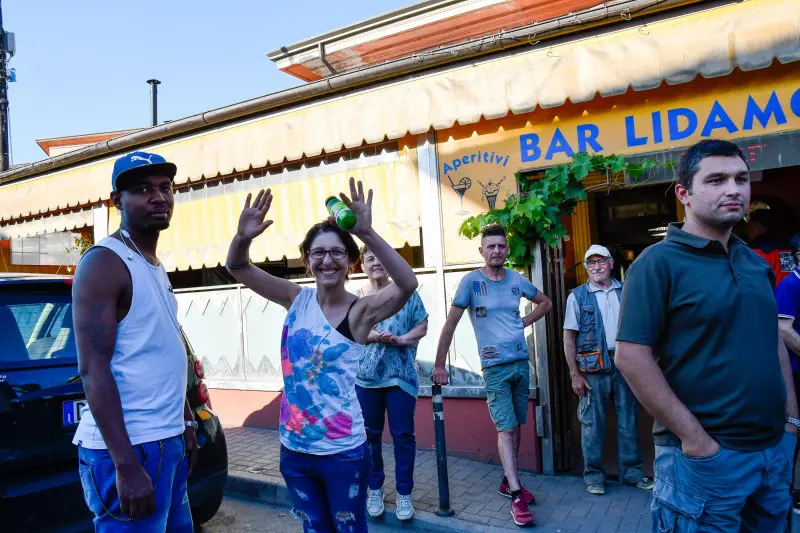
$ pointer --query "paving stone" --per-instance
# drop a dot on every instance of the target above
(580, 510)
(562, 504)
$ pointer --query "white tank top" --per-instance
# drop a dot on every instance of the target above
(149, 363)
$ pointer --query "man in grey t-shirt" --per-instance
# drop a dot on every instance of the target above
(492, 294)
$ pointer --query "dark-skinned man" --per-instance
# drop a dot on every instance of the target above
(136, 439)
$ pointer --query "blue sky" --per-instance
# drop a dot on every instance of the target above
(82, 65)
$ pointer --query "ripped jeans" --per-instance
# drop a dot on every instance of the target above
(329, 492)
(726, 492)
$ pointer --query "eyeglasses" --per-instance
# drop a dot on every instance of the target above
(318, 254)
(599, 262)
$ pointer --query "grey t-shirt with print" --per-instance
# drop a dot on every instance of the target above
(494, 313)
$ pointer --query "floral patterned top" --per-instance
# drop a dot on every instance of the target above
(320, 413)
(393, 366)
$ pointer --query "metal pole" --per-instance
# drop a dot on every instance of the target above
(153, 101)
(441, 453)
(5, 158)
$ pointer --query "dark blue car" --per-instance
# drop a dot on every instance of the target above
(40, 401)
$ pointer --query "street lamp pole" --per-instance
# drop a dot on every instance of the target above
(5, 158)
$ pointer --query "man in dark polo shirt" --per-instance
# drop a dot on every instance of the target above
(698, 343)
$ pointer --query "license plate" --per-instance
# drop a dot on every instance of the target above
(71, 411)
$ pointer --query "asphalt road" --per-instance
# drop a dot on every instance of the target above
(242, 516)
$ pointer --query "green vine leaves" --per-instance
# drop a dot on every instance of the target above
(536, 212)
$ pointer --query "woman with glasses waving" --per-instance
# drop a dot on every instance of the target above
(324, 455)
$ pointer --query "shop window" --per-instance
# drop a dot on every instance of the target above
(49, 249)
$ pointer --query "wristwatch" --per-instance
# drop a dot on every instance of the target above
(190, 424)
(794, 421)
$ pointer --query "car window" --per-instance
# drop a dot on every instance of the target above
(36, 326)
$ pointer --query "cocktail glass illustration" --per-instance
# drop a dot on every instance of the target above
(461, 189)
(490, 192)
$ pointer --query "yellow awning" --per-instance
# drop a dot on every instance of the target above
(48, 224)
(749, 34)
(59, 190)
(201, 230)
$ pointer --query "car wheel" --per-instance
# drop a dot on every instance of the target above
(205, 512)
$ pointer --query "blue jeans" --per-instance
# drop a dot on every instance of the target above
(166, 463)
(592, 415)
(400, 406)
(329, 492)
(726, 492)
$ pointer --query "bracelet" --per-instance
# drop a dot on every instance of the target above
(240, 266)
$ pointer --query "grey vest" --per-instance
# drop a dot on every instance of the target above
(592, 336)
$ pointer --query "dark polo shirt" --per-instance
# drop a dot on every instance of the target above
(712, 322)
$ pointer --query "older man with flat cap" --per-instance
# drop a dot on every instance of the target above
(590, 336)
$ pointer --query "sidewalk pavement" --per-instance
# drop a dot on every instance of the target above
(562, 504)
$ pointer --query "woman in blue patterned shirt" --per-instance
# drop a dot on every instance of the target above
(387, 383)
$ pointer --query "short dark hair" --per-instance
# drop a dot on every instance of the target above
(690, 160)
(493, 230)
(326, 227)
(363, 251)
(794, 245)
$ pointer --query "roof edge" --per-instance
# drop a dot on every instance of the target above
(384, 19)
(625, 10)
(84, 135)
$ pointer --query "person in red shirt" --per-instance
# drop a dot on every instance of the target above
(765, 237)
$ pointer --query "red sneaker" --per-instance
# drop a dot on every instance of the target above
(505, 490)
(520, 512)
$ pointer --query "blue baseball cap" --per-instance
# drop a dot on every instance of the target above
(140, 163)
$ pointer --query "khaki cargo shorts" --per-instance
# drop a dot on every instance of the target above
(507, 391)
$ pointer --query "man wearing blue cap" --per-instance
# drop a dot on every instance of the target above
(136, 439)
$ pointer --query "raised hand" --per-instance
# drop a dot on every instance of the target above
(361, 206)
(251, 221)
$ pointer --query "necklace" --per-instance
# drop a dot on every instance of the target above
(127, 235)
(170, 311)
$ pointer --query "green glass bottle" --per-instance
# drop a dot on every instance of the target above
(344, 216)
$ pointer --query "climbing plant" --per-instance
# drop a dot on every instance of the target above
(536, 212)
(81, 244)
